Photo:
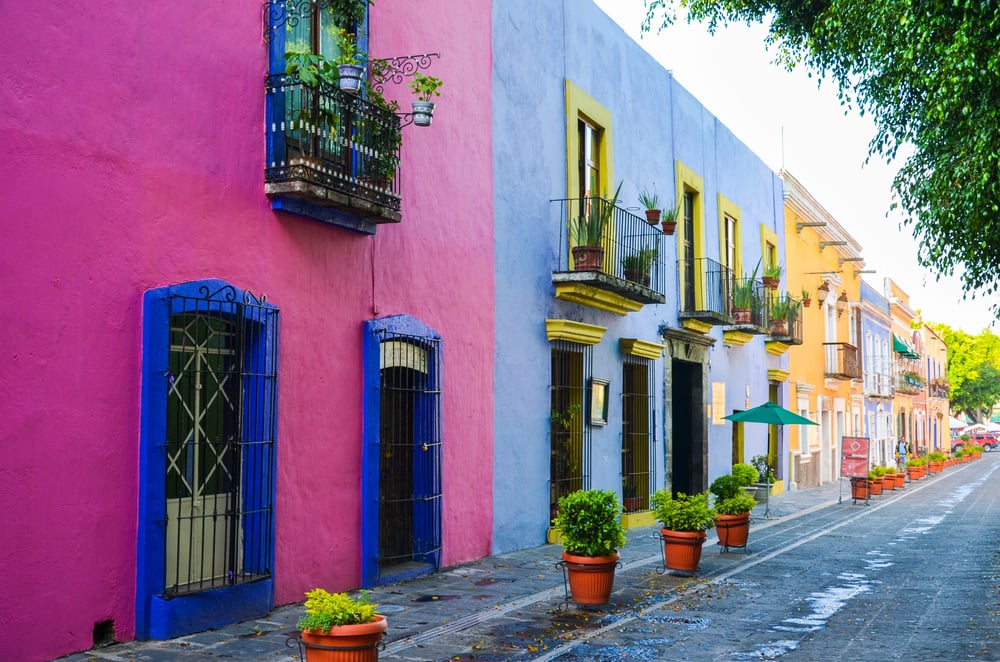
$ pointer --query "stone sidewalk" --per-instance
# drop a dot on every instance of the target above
(428, 615)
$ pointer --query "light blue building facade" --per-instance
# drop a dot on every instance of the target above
(609, 375)
(876, 365)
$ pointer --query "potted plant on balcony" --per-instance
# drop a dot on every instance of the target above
(684, 520)
(587, 231)
(744, 294)
(733, 505)
(425, 87)
(806, 299)
(639, 265)
(339, 627)
(669, 220)
(780, 311)
(349, 62)
(772, 276)
(314, 123)
(651, 201)
(590, 528)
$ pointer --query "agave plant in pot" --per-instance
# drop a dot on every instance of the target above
(651, 201)
(339, 628)
(733, 505)
(590, 527)
(684, 520)
(586, 231)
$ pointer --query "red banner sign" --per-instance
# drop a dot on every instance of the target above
(854, 456)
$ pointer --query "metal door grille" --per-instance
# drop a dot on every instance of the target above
(410, 453)
(638, 433)
(569, 433)
(222, 384)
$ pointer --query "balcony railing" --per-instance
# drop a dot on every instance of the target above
(909, 383)
(628, 260)
(878, 385)
(841, 360)
(332, 149)
(705, 292)
(940, 390)
(787, 329)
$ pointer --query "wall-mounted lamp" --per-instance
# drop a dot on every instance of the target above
(841, 303)
(822, 291)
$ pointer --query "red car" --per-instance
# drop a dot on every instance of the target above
(988, 440)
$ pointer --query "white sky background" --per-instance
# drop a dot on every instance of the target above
(789, 122)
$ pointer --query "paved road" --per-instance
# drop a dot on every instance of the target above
(910, 576)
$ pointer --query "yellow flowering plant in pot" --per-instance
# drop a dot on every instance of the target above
(339, 627)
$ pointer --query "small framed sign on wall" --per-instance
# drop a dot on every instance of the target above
(599, 401)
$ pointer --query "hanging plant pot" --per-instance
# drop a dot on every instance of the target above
(423, 112)
(806, 302)
(350, 77)
(682, 549)
(769, 282)
(669, 227)
(591, 578)
(345, 643)
(653, 216)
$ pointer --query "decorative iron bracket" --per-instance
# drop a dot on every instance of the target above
(395, 69)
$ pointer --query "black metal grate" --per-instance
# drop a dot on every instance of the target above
(569, 433)
(705, 290)
(410, 453)
(638, 433)
(220, 441)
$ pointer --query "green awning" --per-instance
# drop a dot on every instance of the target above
(900, 346)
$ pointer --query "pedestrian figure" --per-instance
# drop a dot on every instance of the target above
(901, 452)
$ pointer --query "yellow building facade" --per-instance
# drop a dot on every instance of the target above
(823, 266)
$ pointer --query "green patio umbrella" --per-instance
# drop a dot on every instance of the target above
(771, 414)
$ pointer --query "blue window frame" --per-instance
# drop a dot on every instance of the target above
(401, 456)
(207, 453)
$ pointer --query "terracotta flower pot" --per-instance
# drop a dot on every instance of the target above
(591, 578)
(345, 643)
(875, 486)
(733, 530)
(741, 315)
(888, 482)
(682, 549)
(900, 480)
(669, 227)
(859, 488)
(653, 216)
(588, 258)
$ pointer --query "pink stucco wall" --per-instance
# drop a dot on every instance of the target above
(132, 137)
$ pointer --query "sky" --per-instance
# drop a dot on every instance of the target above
(791, 122)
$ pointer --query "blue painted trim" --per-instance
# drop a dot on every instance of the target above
(322, 214)
(177, 617)
(370, 455)
(157, 616)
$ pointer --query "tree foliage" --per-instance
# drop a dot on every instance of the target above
(928, 71)
(973, 370)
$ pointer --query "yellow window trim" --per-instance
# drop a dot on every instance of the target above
(688, 180)
(579, 104)
(729, 208)
(768, 236)
(578, 332)
(643, 348)
(776, 375)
